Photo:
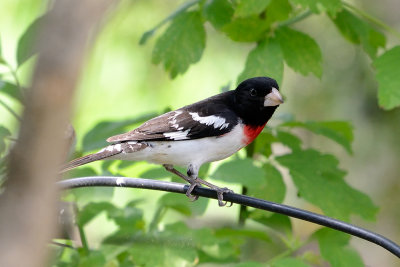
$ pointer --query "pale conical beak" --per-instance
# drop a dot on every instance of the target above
(273, 99)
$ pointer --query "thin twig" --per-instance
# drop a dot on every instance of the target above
(61, 244)
(238, 199)
(372, 19)
(181, 9)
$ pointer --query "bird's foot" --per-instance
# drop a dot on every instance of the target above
(189, 191)
(199, 182)
(220, 191)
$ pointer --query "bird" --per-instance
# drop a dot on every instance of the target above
(206, 131)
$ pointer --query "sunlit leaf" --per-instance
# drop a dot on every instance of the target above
(129, 218)
(339, 131)
(249, 264)
(176, 246)
(289, 140)
(181, 44)
(275, 221)
(263, 143)
(4, 132)
(278, 10)
(360, 32)
(266, 59)
(292, 262)
(300, 51)
(240, 171)
(388, 77)
(319, 180)
(91, 210)
(11, 90)
(27, 42)
(335, 248)
(245, 233)
(218, 12)
(248, 29)
(330, 6)
(94, 259)
(247, 8)
(274, 189)
(182, 204)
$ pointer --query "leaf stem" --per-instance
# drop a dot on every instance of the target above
(13, 73)
(157, 218)
(295, 19)
(287, 252)
(372, 19)
(83, 238)
(7, 107)
(181, 9)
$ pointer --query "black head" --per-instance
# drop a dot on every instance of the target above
(256, 100)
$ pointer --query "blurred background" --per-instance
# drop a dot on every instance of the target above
(120, 82)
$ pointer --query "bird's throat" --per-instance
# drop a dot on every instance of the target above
(251, 132)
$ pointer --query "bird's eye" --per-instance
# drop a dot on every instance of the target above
(253, 92)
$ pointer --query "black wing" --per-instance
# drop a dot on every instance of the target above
(210, 117)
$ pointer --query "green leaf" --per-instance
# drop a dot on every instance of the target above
(4, 132)
(249, 264)
(278, 10)
(388, 77)
(275, 221)
(292, 262)
(263, 143)
(173, 254)
(91, 210)
(182, 204)
(334, 247)
(248, 29)
(129, 219)
(27, 42)
(218, 12)
(247, 8)
(289, 140)
(240, 171)
(11, 90)
(273, 188)
(330, 6)
(358, 31)
(300, 51)
(243, 233)
(339, 131)
(96, 137)
(320, 181)
(94, 259)
(181, 44)
(266, 59)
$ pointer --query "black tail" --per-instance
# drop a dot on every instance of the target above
(102, 154)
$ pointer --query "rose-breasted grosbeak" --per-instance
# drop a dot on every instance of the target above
(206, 131)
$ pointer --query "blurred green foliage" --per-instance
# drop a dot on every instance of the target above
(155, 229)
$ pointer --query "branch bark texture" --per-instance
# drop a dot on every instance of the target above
(28, 204)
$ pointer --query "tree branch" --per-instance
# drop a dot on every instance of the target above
(238, 199)
(28, 203)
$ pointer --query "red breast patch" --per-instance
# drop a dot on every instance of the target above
(251, 132)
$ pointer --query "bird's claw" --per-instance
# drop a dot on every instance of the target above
(220, 195)
(189, 191)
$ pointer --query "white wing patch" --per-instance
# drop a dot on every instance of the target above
(179, 135)
(213, 120)
(173, 120)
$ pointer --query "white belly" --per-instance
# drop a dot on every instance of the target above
(187, 152)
